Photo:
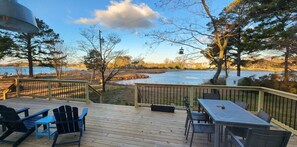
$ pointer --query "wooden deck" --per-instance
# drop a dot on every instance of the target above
(116, 125)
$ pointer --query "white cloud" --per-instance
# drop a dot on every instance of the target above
(124, 15)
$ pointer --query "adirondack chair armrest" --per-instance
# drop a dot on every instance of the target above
(42, 112)
(84, 113)
(25, 110)
(235, 140)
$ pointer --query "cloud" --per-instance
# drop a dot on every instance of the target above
(123, 15)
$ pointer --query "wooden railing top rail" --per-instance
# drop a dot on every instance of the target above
(256, 88)
(204, 86)
(280, 93)
(54, 80)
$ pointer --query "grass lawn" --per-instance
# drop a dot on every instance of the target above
(115, 94)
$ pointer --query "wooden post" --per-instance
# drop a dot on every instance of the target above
(260, 100)
(4, 95)
(49, 86)
(17, 85)
(87, 92)
(191, 96)
(135, 96)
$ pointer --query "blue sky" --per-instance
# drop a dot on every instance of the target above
(68, 17)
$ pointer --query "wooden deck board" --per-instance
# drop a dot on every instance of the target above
(116, 125)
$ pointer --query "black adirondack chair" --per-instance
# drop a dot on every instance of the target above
(67, 121)
(25, 110)
(14, 123)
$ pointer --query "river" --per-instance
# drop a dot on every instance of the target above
(187, 77)
(11, 70)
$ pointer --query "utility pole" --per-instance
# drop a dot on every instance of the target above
(101, 58)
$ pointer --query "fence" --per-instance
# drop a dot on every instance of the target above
(58, 89)
(281, 105)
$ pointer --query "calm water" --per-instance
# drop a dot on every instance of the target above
(187, 77)
(25, 70)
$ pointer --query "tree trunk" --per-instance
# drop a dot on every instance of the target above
(93, 74)
(30, 61)
(286, 70)
(238, 63)
(226, 65)
(218, 72)
(239, 53)
(103, 81)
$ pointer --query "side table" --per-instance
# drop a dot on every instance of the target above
(46, 121)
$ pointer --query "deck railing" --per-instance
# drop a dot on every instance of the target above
(281, 105)
(77, 90)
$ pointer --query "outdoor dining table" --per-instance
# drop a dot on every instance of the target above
(227, 113)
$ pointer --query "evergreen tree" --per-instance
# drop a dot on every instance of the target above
(35, 47)
(6, 44)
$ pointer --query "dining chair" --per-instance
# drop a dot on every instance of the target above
(242, 132)
(196, 116)
(213, 96)
(242, 104)
(261, 138)
(198, 127)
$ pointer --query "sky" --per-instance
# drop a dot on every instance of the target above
(129, 19)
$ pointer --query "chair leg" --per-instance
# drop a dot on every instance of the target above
(5, 134)
(55, 139)
(226, 138)
(84, 122)
(20, 140)
(188, 132)
(192, 139)
(186, 125)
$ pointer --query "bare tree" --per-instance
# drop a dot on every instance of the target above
(59, 59)
(188, 33)
(107, 52)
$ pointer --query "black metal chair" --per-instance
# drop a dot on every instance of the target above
(68, 121)
(14, 123)
(199, 127)
(25, 110)
(242, 104)
(261, 138)
(242, 132)
(196, 116)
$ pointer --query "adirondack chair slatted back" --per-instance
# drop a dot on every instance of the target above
(10, 119)
(66, 119)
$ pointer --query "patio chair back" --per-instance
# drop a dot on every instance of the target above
(10, 119)
(269, 138)
(242, 104)
(67, 120)
(186, 102)
(213, 96)
(263, 115)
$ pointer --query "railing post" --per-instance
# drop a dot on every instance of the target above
(135, 96)
(87, 92)
(191, 95)
(49, 86)
(17, 84)
(260, 100)
(4, 95)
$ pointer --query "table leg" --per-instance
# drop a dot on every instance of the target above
(36, 132)
(217, 135)
(48, 131)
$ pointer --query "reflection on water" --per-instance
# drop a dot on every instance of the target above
(187, 77)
